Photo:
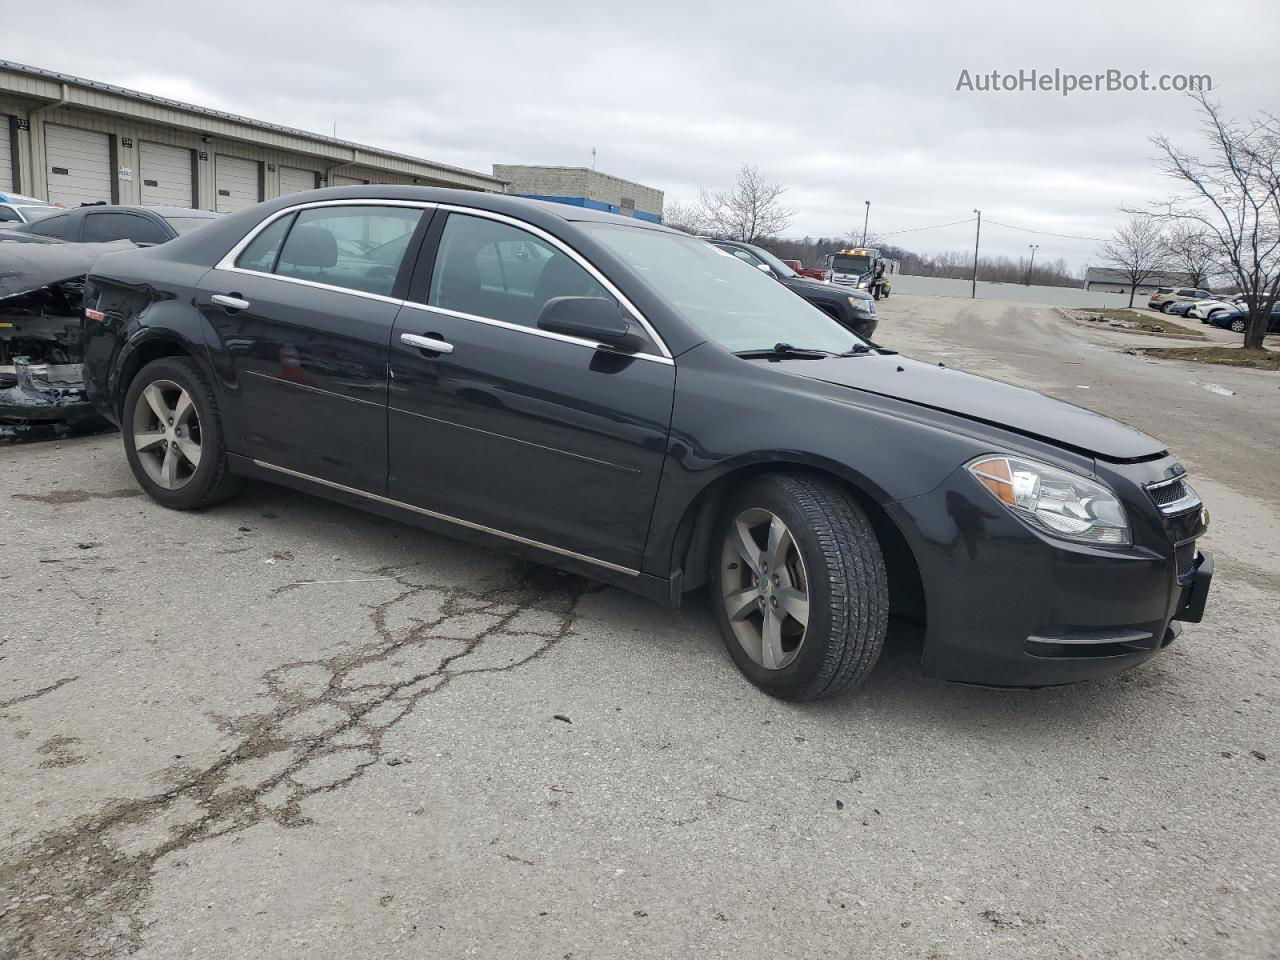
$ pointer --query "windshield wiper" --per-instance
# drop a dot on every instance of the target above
(785, 350)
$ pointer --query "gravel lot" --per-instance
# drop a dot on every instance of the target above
(545, 768)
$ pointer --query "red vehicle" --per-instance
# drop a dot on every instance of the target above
(813, 273)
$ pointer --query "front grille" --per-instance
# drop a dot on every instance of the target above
(1185, 556)
(1173, 496)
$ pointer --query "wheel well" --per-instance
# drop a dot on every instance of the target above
(139, 358)
(693, 538)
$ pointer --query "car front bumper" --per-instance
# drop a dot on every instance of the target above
(1007, 606)
(44, 400)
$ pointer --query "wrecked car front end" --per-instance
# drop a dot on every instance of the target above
(42, 393)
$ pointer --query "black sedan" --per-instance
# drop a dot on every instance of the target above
(852, 309)
(103, 223)
(628, 403)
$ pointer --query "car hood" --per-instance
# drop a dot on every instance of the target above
(978, 398)
(808, 288)
(29, 266)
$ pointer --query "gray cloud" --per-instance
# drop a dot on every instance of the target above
(843, 102)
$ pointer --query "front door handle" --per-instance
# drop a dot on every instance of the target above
(426, 343)
(230, 301)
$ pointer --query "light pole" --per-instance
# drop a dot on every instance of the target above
(1034, 247)
(973, 294)
(865, 219)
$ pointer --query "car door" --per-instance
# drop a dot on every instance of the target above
(301, 313)
(532, 435)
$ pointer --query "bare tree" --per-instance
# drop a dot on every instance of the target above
(687, 217)
(1136, 250)
(750, 210)
(853, 238)
(1193, 251)
(1233, 193)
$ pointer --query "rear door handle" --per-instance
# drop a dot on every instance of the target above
(426, 343)
(229, 301)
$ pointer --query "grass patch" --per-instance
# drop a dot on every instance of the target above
(1226, 356)
(1131, 321)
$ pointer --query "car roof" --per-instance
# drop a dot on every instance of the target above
(134, 208)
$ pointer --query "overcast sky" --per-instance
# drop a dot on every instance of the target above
(843, 102)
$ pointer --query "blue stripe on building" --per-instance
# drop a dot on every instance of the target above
(592, 205)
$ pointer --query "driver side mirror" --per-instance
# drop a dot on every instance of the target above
(766, 270)
(590, 318)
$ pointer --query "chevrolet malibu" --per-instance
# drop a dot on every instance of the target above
(637, 406)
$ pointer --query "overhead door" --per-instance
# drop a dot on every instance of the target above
(338, 180)
(166, 175)
(78, 165)
(293, 180)
(6, 153)
(237, 183)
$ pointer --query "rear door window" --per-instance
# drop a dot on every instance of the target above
(357, 247)
(105, 227)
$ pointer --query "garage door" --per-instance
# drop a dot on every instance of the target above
(236, 183)
(166, 175)
(78, 165)
(338, 180)
(293, 180)
(6, 153)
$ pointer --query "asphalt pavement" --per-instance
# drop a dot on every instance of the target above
(283, 728)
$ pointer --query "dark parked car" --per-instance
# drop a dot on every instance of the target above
(627, 402)
(1238, 320)
(852, 309)
(102, 223)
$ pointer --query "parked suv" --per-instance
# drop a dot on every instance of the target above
(1166, 297)
(637, 406)
(103, 223)
(852, 309)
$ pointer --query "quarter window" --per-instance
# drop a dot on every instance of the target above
(360, 248)
(490, 269)
(52, 226)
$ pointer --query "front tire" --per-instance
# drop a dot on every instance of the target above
(799, 586)
(1165, 308)
(173, 436)
(1238, 326)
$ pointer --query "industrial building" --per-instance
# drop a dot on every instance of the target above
(1109, 280)
(73, 141)
(582, 187)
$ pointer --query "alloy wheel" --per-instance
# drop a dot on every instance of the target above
(764, 588)
(166, 434)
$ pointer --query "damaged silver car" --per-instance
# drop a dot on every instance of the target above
(41, 375)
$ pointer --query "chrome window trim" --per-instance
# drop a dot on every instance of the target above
(228, 262)
(574, 255)
(228, 265)
(479, 527)
(534, 331)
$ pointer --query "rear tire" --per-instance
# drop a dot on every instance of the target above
(827, 566)
(173, 436)
(1238, 326)
(1165, 308)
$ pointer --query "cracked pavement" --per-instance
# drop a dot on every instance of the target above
(285, 728)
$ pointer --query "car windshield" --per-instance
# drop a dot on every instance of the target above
(187, 224)
(780, 268)
(731, 302)
(851, 264)
(33, 213)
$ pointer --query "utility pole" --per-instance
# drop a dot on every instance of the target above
(973, 294)
(865, 218)
(1034, 247)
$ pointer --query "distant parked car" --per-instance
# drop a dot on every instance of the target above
(812, 273)
(1203, 310)
(1165, 297)
(852, 309)
(16, 209)
(103, 223)
(1237, 320)
(1181, 309)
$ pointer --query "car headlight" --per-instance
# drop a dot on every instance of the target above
(1063, 504)
(860, 304)
(862, 284)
